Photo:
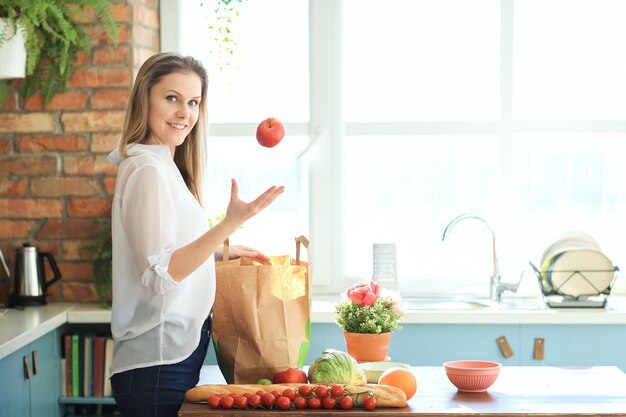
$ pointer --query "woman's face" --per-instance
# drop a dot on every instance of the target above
(174, 105)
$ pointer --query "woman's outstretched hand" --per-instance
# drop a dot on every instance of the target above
(239, 211)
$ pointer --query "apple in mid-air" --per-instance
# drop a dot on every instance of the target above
(270, 132)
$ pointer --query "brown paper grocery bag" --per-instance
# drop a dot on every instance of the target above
(262, 315)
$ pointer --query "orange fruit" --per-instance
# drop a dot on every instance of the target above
(401, 378)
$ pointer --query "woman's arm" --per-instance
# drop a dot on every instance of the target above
(188, 258)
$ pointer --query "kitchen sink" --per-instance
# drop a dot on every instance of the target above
(470, 303)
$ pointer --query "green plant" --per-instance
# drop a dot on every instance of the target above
(365, 311)
(53, 38)
(101, 247)
(224, 13)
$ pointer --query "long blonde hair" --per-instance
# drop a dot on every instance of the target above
(189, 156)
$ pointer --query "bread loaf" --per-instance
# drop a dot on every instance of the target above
(386, 395)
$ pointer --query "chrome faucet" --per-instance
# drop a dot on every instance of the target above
(496, 288)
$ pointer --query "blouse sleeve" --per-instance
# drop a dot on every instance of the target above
(148, 218)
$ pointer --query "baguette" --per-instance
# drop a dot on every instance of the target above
(386, 395)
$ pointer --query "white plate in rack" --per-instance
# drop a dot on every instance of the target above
(581, 272)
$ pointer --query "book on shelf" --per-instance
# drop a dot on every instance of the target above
(86, 363)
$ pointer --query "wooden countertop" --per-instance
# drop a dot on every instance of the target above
(519, 391)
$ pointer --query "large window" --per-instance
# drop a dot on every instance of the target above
(402, 115)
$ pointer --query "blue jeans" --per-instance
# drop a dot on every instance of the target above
(159, 391)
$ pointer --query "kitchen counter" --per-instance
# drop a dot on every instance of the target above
(20, 327)
(518, 391)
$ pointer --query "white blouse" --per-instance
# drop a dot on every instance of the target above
(155, 320)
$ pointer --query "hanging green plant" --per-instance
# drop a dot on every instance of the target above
(53, 38)
(224, 39)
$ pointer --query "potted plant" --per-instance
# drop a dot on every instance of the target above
(367, 319)
(102, 250)
(52, 39)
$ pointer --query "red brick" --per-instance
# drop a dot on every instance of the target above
(82, 15)
(89, 207)
(98, 35)
(11, 102)
(76, 270)
(25, 208)
(95, 121)
(27, 122)
(104, 142)
(62, 186)
(121, 12)
(12, 187)
(5, 145)
(81, 58)
(76, 250)
(16, 229)
(79, 292)
(146, 37)
(109, 185)
(100, 77)
(51, 143)
(25, 165)
(88, 165)
(109, 99)
(111, 55)
(72, 100)
(145, 16)
(68, 229)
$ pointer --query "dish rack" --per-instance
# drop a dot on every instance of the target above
(554, 298)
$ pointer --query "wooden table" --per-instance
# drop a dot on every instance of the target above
(519, 391)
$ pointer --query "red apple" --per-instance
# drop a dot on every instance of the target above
(290, 376)
(270, 132)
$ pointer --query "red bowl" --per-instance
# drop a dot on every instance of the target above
(472, 376)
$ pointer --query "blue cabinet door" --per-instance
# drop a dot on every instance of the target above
(575, 345)
(434, 344)
(45, 385)
(14, 394)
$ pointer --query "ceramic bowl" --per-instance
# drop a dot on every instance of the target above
(472, 376)
(373, 370)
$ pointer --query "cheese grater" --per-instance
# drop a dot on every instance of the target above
(384, 265)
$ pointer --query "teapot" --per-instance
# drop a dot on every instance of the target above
(29, 281)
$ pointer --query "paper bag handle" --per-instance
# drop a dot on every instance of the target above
(226, 250)
(302, 240)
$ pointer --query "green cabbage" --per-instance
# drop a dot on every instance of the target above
(336, 367)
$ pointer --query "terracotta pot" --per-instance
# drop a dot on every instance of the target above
(367, 347)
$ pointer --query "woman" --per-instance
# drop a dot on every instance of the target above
(163, 264)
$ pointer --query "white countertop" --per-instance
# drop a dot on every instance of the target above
(20, 327)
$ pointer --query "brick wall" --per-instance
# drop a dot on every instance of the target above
(55, 182)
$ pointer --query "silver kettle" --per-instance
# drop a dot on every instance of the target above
(29, 281)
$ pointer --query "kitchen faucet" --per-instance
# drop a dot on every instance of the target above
(496, 288)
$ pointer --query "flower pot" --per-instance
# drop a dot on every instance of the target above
(12, 52)
(367, 347)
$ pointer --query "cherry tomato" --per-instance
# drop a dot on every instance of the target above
(232, 394)
(314, 402)
(241, 402)
(214, 401)
(227, 401)
(369, 403)
(329, 402)
(283, 403)
(305, 390)
(336, 390)
(276, 393)
(247, 394)
(321, 391)
(289, 393)
(254, 401)
(260, 392)
(299, 402)
(346, 403)
(268, 399)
